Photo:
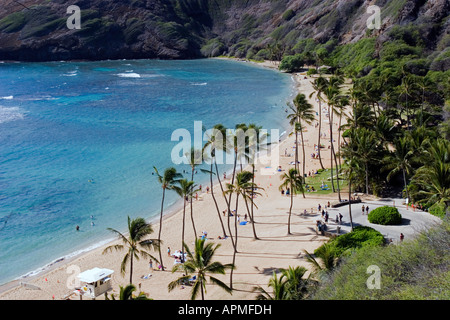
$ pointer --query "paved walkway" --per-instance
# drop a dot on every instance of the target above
(412, 221)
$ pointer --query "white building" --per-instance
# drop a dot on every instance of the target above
(97, 281)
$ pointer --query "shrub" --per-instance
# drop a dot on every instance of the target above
(292, 63)
(288, 15)
(311, 72)
(419, 268)
(438, 209)
(385, 216)
(360, 237)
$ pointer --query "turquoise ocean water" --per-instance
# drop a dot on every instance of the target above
(80, 139)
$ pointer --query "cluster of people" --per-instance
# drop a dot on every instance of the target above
(365, 209)
(179, 256)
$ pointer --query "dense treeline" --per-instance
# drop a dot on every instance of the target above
(398, 129)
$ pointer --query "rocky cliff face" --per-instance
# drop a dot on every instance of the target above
(35, 30)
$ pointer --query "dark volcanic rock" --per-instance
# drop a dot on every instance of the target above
(35, 30)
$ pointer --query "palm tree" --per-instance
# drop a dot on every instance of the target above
(257, 142)
(289, 286)
(424, 84)
(185, 190)
(278, 286)
(242, 187)
(195, 158)
(126, 293)
(364, 146)
(342, 103)
(399, 160)
(319, 86)
(167, 181)
(352, 171)
(215, 143)
(434, 182)
(328, 260)
(201, 264)
(332, 91)
(407, 89)
(302, 111)
(292, 180)
(135, 242)
(433, 178)
(297, 287)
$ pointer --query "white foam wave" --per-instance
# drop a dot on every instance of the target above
(149, 75)
(129, 75)
(10, 114)
(63, 258)
(7, 98)
(70, 73)
(199, 83)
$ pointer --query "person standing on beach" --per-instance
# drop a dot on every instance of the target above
(168, 251)
(151, 264)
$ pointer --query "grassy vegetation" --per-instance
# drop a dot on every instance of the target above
(415, 269)
(346, 244)
(324, 176)
(12, 23)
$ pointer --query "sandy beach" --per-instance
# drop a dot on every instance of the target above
(256, 260)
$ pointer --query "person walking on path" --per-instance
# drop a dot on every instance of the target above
(363, 209)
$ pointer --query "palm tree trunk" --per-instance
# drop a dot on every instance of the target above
(160, 229)
(337, 174)
(192, 220)
(304, 159)
(192, 209)
(236, 224)
(338, 168)
(349, 202)
(228, 205)
(406, 185)
(201, 289)
(331, 148)
(320, 128)
(339, 141)
(252, 217)
(131, 268)
(367, 178)
(215, 201)
(232, 180)
(183, 228)
(296, 149)
(235, 242)
(290, 210)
